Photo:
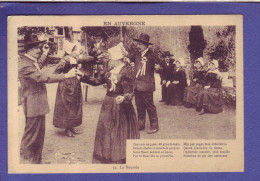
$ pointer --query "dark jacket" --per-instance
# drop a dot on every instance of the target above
(33, 89)
(167, 71)
(213, 80)
(145, 82)
(102, 48)
(198, 77)
(180, 76)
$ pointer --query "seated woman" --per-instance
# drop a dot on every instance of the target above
(210, 98)
(175, 87)
(192, 91)
(117, 120)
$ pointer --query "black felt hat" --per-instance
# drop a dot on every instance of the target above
(167, 53)
(143, 38)
(30, 41)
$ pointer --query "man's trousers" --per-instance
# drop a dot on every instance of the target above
(164, 92)
(33, 139)
(144, 101)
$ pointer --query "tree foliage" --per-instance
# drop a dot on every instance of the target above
(224, 49)
(197, 42)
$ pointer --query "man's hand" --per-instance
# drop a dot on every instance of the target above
(120, 99)
(168, 83)
(71, 73)
(206, 87)
(175, 82)
(157, 67)
(45, 49)
(164, 82)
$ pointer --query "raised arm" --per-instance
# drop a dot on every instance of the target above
(42, 61)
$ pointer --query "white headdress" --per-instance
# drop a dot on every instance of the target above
(117, 52)
(182, 62)
(68, 47)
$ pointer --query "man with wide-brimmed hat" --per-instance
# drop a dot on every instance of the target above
(166, 72)
(98, 45)
(98, 50)
(23, 45)
(34, 99)
(145, 62)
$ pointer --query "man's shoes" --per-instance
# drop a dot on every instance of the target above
(151, 131)
(162, 101)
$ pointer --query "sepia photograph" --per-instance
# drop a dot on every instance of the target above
(116, 89)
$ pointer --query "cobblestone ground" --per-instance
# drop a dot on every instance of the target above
(176, 122)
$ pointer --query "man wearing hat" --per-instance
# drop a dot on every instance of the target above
(145, 84)
(45, 49)
(166, 72)
(98, 49)
(34, 100)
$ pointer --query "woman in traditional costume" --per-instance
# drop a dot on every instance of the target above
(210, 98)
(175, 87)
(68, 105)
(192, 91)
(117, 120)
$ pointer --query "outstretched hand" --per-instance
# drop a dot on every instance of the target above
(71, 73)
(78, 72)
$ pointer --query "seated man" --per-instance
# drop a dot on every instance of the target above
(166, 72)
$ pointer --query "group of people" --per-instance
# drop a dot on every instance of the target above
(204, 93)
(126, 76)
(117, 122)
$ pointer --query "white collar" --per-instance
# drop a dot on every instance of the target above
(144, 52)
(30, 57)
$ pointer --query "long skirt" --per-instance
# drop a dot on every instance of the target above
(174, 95)
(116, 124)
(68, 106)
(190, 94)
(210, 99)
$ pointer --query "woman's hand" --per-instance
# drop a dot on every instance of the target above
(206, 87)
(120, 99)
(113, 78)
(78, 72)
(71, 73)
(132, 64)
(175, 82)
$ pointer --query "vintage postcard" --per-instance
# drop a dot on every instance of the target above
(125, 93)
